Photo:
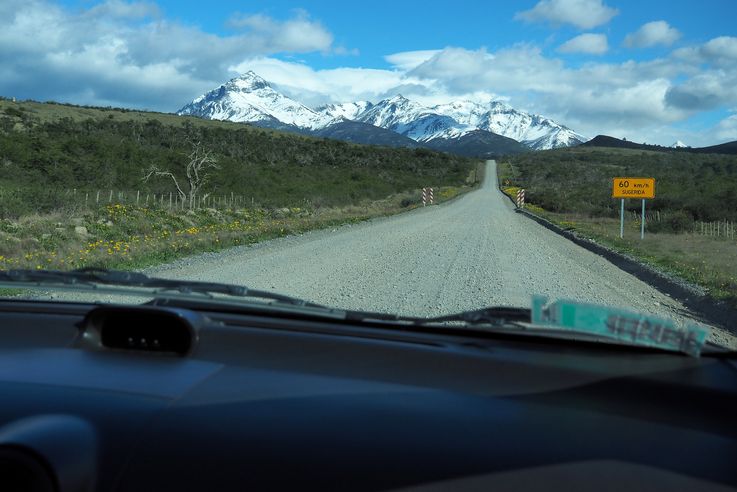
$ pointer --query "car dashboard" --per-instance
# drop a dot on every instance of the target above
(167, 398)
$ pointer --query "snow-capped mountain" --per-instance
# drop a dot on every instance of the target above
(348, 111)
(412, 120)
(535, 131)
(249, 98)
(679, 145)
(456, 119)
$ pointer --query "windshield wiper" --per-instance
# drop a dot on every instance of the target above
(98, 276)
(495, 316)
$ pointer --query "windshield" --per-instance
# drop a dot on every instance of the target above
(392, 157)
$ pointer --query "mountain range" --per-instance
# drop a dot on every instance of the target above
(462, 127)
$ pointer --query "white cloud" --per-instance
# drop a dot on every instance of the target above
(121, 9)
(651, 34)
(122, 53)
(315, 87)
(594, 44)
(594, 98)
(705, 91)
(726, 130)
(584, 14)
(407, 60)
(295, 35)
(714, 84)
(720, 52)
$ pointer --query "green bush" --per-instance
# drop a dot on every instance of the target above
(675, 222)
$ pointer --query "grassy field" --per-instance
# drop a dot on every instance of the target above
(706, 261)
(128, 237)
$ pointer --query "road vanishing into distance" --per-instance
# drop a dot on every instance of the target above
(470, 253)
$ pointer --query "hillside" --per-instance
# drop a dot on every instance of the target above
(48, 147)
(689, 186)
(479, 143)
(616, 143)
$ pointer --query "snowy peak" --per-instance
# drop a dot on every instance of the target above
(533, 130)
(248, 82)
(349, 111)
(412, 120)
(249, 98)
(679, 145)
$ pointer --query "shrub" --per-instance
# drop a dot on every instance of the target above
(677, 222)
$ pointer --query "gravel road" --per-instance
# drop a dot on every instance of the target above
(470, 253)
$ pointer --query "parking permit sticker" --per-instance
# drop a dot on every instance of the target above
(619, 325)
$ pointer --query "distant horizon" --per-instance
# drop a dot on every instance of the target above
(626, 68)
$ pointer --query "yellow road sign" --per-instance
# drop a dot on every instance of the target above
(633, 188)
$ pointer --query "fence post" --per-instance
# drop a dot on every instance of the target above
(86, 196)
(138, 196)
(97, 200)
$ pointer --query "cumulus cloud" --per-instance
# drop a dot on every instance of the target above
(407, 60)
(584, 14)
(295, 35)
(651, 34)
(720, 52)
(715, 82)
(594, 98)
(124, 54)
(317, 87)
(726, 130)
(704, 92)
(593, 44)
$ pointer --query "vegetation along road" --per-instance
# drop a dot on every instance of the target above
(470, 253)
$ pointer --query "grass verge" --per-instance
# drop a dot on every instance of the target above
(708, 262)
(129, 237)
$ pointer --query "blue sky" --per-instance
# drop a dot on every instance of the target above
(645, 70)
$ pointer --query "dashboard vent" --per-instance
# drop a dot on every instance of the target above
(141, 329)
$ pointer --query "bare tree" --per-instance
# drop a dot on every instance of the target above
(200, 162)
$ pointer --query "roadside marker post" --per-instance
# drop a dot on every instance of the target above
(521, 198)
(633, 188)
(427, 194)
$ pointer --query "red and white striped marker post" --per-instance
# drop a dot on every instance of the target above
(521, 198)
(427, 195)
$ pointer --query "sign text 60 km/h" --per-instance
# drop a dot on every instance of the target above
(633, 188)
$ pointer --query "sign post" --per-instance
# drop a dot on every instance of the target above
(633, 188)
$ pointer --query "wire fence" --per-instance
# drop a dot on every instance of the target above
(74, 199)
(166, 200)
(723, 228)
(726, 229)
